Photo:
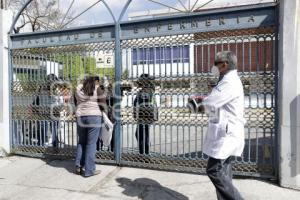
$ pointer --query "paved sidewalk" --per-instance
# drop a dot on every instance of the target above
(29, 178)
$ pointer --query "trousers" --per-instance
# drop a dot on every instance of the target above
(142, 136)
(88, 129)
(220, 173)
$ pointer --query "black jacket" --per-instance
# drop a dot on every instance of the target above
(145, 109)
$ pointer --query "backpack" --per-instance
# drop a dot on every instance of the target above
(145, 109)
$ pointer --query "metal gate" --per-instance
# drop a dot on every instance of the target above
(177, 52)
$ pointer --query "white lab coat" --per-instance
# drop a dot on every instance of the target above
(225, 105)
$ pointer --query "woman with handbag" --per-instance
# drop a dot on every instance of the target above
(88, 97)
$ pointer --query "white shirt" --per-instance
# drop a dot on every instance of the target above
(225, 105)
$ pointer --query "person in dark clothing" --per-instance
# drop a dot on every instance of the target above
(144, 111)
(110, 113)
(108, 109)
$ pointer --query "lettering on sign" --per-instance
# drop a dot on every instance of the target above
(160, 27)
(104, 60)
(59, 38)
(193, 24)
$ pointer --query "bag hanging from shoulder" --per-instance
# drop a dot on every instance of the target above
(106, 130)
(146, 112)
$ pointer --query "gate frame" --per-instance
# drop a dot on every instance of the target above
(118, 27)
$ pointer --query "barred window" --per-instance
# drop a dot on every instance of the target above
(161, 55)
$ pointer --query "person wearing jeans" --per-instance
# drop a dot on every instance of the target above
(42, 133)
(47, 99)
(86, 147)
(89, 96)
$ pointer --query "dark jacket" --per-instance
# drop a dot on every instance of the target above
(144, 107)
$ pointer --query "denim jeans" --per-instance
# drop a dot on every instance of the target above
(43, 129)
(36, 130)
(88, 128)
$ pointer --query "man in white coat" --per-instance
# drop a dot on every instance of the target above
(225, 134)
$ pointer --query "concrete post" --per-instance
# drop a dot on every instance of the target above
(289, 94)
(5, 22)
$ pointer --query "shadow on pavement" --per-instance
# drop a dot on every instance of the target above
(68, 165)
(148, 189)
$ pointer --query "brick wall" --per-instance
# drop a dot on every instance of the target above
(255, 52)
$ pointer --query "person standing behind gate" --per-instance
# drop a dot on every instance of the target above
(108, 108)
(144, 111)
(225, 134)
(88, 98)
(47, 101)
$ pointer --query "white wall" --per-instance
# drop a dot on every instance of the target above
(5, 22)
(163, 70)
(289, 94)
(173, 69)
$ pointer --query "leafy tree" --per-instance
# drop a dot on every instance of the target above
(125, 74)
(40, 15)
(75, 67)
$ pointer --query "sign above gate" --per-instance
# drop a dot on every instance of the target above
(65, 37)
(204, 21)
(199, 23)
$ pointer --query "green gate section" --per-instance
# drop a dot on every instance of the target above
(178, 52)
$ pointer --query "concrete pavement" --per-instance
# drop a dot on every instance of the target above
(30, 178)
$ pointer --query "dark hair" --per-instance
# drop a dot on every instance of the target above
(89, 85)
(50, 81)
(51, 77)
(146, 81)
(97, 78)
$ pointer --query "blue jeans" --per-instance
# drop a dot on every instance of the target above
(43, 126)
(88, 128)
(39, 132)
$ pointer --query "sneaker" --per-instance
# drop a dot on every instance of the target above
(96, 172)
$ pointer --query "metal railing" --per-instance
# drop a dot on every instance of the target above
(179, 62)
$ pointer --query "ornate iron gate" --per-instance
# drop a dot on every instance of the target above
(177, 52)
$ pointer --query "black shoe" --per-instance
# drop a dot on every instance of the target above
(78, 170)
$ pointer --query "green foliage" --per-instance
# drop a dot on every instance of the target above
(125, 74)
(75, 67)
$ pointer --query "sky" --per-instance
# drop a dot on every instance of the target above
(99, 14)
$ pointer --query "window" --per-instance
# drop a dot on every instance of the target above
(143, 56)
(161, 55)
(181, 54)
